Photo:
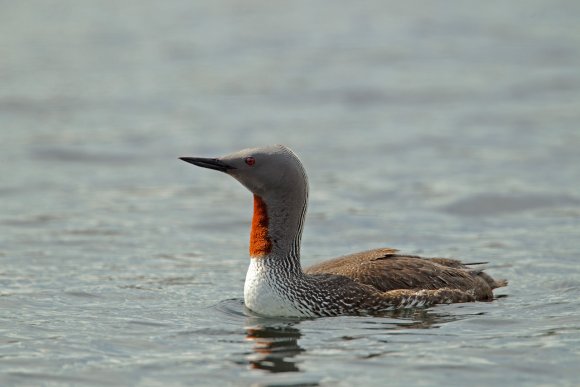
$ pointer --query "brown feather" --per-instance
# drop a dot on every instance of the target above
(388, 271)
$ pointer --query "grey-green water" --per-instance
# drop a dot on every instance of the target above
(440, 128)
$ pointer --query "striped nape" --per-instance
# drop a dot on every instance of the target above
(295, 248)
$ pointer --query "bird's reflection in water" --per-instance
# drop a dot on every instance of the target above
(275, 341)
(274, 347)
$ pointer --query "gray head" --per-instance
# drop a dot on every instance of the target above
(269, 172)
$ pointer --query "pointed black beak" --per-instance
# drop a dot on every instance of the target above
(216, 164)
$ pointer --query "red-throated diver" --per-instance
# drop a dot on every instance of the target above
(361, 283)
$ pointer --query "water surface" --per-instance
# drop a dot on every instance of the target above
(439, 129)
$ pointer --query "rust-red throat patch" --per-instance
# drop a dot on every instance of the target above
(260, 243)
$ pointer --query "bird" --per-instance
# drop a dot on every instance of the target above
(364, 283)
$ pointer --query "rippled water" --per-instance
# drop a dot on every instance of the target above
(445, 129)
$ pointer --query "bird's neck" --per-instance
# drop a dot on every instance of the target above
(277, 230)
(260, 239)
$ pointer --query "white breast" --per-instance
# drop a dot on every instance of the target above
(261, 297)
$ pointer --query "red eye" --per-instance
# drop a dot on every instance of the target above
(250, 161)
